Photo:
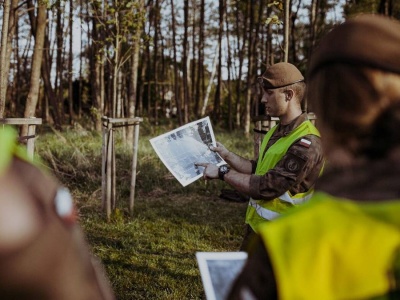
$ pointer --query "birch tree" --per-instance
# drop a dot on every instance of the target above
(4, 55)
(33, 95)
(134, 64)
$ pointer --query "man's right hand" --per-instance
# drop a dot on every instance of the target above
(210, 170)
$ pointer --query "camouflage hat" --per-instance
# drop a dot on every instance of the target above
(369, 40)
(280, 75)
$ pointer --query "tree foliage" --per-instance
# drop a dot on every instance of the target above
(165, 60)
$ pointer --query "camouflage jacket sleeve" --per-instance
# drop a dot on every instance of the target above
(296, 172)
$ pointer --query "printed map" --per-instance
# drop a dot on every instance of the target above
(181, 148)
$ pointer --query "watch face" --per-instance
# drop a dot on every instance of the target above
(222, 171)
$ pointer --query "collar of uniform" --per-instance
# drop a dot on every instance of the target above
(284, 130)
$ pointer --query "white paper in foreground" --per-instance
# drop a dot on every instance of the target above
(218, 272)
(181, 148)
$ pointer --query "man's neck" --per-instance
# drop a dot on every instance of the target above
(289, 117)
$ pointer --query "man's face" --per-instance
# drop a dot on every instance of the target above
(275, 102)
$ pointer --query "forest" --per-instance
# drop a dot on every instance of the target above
(72, 62)
(168, 62)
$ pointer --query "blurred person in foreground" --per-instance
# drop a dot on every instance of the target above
(290, 159)
(345, 242)
(43, 252)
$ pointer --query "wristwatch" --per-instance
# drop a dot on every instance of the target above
(222, 171)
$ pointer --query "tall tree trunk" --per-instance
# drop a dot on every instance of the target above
(133, 78)
(184, 60)
(95, 62)
(48, 88)
(70, 58)
(5, 65)
(164, 73)
(119, 95)
(217, 99)
(313, 24)
(192, 65)
(269, 51)
(3, 56)
(143, 68)
(81, 84)
(147, 80)
(256, 65)
(101, 66)
(45, 67)
(200, 65)
(230, 119)
(312, 33)
(176, 73)
(116, 66)
(155, 61)
(286, 27)
(17, 71)
(241, 22)
(293, 41)
(33, 95)
(386, 7)
(59, 61)
(210, 82)
(249, 81)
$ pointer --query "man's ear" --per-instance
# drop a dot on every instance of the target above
(289, 94)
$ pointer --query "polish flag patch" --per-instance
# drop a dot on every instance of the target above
(305, 143)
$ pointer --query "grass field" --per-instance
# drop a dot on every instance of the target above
(152, 254)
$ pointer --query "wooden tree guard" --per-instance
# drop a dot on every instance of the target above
(32, 123)
(108, 161)
(263, 123)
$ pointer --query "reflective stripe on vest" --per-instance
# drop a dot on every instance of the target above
(269, 214)
(263, 212)
(294, 200)
(259, 210)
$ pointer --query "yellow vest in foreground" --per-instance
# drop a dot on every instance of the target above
(9, 148)
(330, 249)
(259, 211)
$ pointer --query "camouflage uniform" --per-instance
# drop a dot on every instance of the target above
(296, 172)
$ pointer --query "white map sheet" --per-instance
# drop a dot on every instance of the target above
(181, 148)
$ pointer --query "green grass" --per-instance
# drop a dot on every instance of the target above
(152, 254)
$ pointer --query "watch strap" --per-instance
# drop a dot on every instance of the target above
(222, 170)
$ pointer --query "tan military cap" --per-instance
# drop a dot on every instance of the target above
(369, 40)
(280, 75)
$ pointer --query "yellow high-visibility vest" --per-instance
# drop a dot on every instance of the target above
(335, 249)
(9, 148)
(259, 211)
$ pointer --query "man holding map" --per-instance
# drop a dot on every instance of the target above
(290, 159)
